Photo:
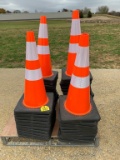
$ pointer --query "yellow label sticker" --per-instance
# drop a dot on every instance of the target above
(44, 108)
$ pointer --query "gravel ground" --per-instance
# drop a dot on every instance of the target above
(106, 86)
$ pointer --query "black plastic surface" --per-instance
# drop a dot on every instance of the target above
(51, 80)
(20, 108)
(65, 116)
(32, 123)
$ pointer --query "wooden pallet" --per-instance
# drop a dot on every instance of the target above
(10, 137)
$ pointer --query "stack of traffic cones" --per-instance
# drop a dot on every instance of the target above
(50, 77)
(78, 116)
(35, 112)
(72, 51)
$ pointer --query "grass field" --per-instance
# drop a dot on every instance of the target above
(104, 42)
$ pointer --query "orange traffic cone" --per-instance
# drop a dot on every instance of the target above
(78, 99)
(43, 48)
(34, 93)
(73, 43)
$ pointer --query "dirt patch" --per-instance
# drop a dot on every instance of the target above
(101, 19)
(105, 61)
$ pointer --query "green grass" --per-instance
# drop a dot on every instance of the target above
(104, 42)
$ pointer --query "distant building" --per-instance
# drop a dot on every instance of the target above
(34, 16)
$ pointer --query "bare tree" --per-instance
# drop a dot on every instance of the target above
(25, 12)
(103, 10)
(89, 14)
(16, 11)
(114, 13)
(86, 10)
(81, 15)
(8, 11)
(65, 10)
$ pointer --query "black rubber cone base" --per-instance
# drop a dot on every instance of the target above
(34, 118)
(74, 128)
(20, 108)
(76, 136)
(41, 133)
(51, 81)
(91, 92)
(34, 122)
(35, 128)
(65, 116)
(35, 136)
(76, 139)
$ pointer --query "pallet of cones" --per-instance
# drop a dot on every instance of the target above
(35, 112)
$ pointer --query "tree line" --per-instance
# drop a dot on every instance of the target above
(86, 12)
(3, 11)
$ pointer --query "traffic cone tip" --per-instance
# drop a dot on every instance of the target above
(75, 14)
(43, 48)
(43, 19)
(30, 36)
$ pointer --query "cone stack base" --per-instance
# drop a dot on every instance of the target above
(51, 83)
(65, 81)
(77, 129)
(34, 123)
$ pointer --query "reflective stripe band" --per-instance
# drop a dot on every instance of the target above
(43, 49)
(32, 65)
(43, 31)
(82, 58)
(43, 41)
(73, 48)
(75, 27)
(80, 82)
(33, 75)
(31, 51)
(81, 71)
(74, 39)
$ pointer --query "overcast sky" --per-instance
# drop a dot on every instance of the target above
(55, 5)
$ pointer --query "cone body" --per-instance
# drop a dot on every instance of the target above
(43, 48)
(73, 43)
(34, 91)
(78, 98)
